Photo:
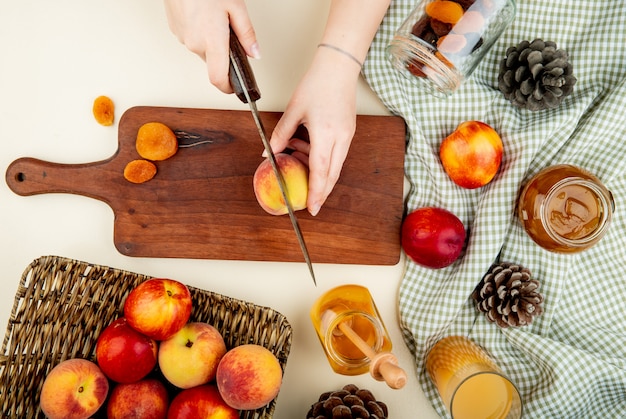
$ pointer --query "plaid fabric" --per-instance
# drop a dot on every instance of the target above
(571, 361)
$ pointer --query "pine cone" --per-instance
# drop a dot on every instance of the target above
(347, 403)
(508, 295)
(536, 75)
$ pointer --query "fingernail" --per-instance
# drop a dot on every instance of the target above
(256, 51)
(264, 154)
(314, 209)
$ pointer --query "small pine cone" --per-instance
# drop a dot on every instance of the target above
(536, 75)
(347, 403)
(508, 295)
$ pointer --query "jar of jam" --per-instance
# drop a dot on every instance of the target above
(565, 209)
(352, 306)
(442, 42)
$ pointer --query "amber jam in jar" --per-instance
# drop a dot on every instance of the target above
(565, 209)
(353, 306)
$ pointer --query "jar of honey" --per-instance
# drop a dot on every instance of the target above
(565, 209)
(441, 42)
(343, 309)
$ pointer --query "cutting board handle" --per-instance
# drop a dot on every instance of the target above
(28, 176)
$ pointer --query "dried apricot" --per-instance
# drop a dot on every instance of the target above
(471, 21)
(445, 11)
(451, 43)
(156, 141)
(139, 171)
(103, 110)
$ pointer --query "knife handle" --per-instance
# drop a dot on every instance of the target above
(240, 59)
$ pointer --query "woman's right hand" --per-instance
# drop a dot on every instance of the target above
(204, 28)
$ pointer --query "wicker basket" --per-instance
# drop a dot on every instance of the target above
(62, 305)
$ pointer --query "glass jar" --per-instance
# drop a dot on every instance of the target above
(350, 305)
(441, 42)
(565, 209)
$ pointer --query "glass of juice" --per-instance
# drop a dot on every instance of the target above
(470, 383)
(353, 306)
(565, 209)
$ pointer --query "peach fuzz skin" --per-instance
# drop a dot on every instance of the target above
(266, 189)
(74, 389)
(145, 398)
(158, 307)
(471, 155)
(249, 377)
(200, 402)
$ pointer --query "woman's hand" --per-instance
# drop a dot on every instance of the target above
(204, 28)
(325, 103)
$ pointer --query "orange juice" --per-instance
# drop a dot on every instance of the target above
(353, 305)
(470, 384)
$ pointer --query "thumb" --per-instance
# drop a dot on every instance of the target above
(242, 26)
(283, 131)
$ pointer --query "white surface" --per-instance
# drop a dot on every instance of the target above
(58, 56)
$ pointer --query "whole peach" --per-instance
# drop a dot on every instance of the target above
(190, 357)
(266, 189)
(145, 399)
(249, 377)
(432, 237)
(200, 402)
(74, 389)
(158, 307)
(472, 154)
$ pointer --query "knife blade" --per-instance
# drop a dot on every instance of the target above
(244, 84)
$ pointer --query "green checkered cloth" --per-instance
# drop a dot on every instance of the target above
(571, 361)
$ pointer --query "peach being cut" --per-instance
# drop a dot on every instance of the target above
(266, 189)
(249, 377)
(472, 154)
(190, 357)
(74, 389)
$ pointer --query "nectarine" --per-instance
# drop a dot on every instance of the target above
(190, 357)
(124, 354)
(200, 402)
(266, 189)
(145, 399)
(249, 377)
(472, 154)
(158, 307)
(432, 237)
(74, 389)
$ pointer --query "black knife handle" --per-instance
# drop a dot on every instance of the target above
(240, 59)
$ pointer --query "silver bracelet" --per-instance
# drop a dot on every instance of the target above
(346, 53)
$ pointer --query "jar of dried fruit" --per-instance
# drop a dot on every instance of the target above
(441, 42)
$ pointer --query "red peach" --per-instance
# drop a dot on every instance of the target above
(472, 154)
(249, 377)
(200, 402)
(433, 237)
(158, 307)
(143, 399)
(124, 354)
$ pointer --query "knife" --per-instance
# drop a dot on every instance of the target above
(244, 84)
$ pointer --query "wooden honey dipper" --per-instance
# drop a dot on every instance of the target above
(383, 365)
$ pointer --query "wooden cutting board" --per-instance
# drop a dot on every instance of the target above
(201, 204)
